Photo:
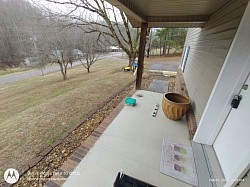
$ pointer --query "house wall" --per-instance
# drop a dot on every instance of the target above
(208, 49)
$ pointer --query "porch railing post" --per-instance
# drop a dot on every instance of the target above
(143, 35)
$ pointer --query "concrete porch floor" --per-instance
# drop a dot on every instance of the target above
(133, 143)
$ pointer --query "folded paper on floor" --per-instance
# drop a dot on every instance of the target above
(177, 161)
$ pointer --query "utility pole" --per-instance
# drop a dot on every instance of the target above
(34, 39)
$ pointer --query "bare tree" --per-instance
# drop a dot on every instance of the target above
(107, 21)
(63, 64)
(56, 47)
(91, 58)
(41, 61)
(62, 57)
(91, 51)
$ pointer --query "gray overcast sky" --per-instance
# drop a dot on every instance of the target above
(52, 6)
(64, 9)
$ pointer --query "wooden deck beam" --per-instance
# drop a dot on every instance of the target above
(143, 36)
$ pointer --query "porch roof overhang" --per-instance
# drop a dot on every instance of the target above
(168, 13)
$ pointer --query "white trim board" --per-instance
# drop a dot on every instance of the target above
(229, 83)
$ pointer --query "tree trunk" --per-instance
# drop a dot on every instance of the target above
(88, 69)
(171, 38)
(62, 71)
(65, 73)
(164, 50)
(42, 71)
(148, 52)
(160, 47)
(131, 59)
(141, 55)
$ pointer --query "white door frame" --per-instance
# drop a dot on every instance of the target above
(237, 165)
(229, 83)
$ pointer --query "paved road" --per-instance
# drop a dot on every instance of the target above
(29, 74)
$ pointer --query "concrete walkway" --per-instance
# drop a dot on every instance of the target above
(159, 86)
(133, 143)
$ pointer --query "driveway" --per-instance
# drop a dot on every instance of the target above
(165, 66)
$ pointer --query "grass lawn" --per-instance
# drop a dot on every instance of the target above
(37, 111)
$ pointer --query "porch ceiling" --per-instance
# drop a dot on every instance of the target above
(168, 13)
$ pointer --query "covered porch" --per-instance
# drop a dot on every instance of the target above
(215, 67)
(214, 75)
(132, 143)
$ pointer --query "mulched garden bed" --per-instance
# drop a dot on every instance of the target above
(52, 158)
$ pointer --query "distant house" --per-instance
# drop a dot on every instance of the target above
(57, 54)
(53, 56)
(32, 61)
(115, 49)
(77, 52)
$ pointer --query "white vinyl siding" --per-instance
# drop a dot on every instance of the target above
(208, 49)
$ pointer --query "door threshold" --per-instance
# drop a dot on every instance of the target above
(208, 168)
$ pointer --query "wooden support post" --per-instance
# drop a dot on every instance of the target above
(143, 35)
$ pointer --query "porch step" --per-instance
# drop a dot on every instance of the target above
(159, 86)
(208, 168)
